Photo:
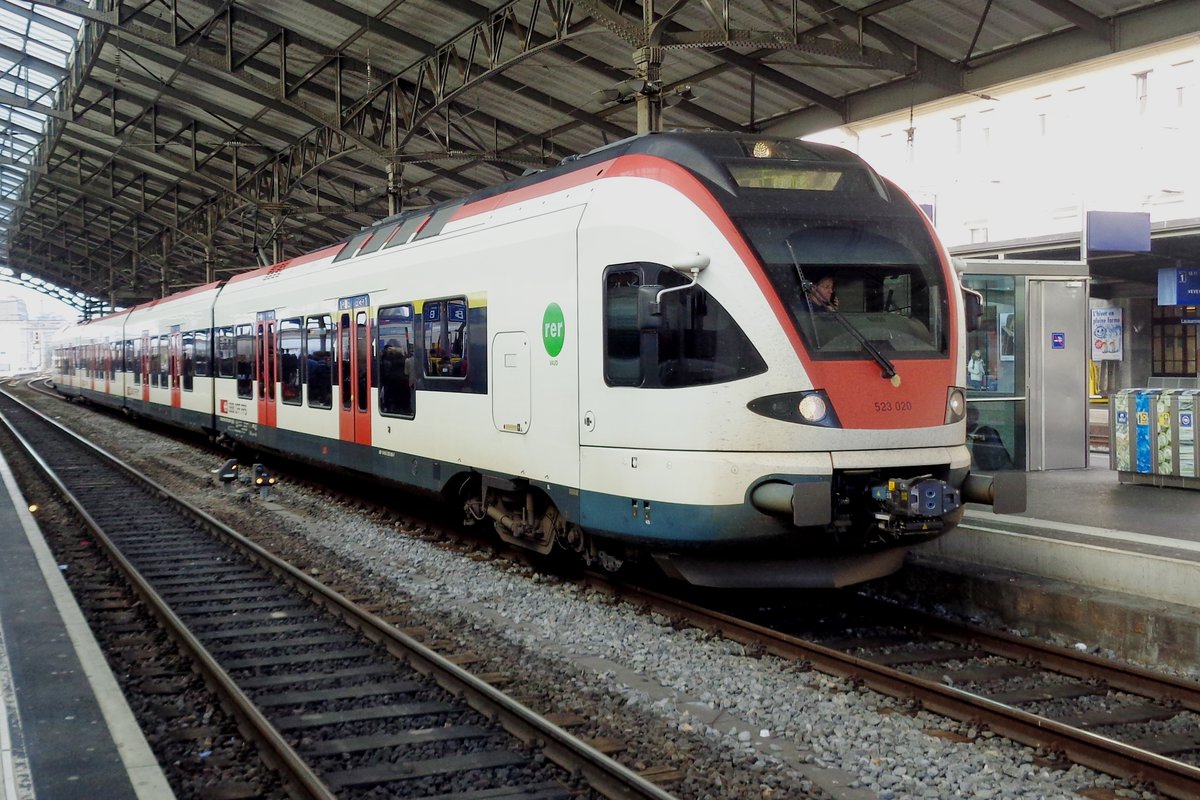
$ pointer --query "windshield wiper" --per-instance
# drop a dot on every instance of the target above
(806, 286)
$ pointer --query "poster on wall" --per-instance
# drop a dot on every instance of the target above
(1008, 336)
(1107, 333)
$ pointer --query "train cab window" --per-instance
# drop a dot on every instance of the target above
(892, 301)
(203, 354)
(446, 338)
(188, 367)
(319, 350)
(155, 361)
(397, 360)
(246, 371)
(291, 349)
(693, 341)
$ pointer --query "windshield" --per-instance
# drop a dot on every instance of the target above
(853, 285)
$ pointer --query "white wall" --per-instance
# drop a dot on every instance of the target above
(1029, 158)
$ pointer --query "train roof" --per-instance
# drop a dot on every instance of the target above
(702, 153)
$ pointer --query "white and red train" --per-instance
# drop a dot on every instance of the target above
(622, 356)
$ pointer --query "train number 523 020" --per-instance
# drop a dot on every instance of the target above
(884, 406)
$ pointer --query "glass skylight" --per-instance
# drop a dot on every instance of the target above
(36, 43)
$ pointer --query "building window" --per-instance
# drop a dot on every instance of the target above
(1173, 341)
(1142, 90)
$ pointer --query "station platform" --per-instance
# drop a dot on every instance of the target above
(66, 732)
(1084, 526)
(1091, 561)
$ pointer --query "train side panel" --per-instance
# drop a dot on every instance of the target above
(512, 406)
(167, 376)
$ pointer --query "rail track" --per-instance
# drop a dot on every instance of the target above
(337, 701)
(1146, 727)
(1125, 721)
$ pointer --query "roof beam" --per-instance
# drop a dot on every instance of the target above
(1079, 17)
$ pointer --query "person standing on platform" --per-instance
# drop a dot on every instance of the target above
(976, 370)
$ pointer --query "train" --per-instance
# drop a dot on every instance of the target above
(622, 358)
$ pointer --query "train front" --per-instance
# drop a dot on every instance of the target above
(874, 320)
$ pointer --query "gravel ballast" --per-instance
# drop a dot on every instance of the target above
(735, 724)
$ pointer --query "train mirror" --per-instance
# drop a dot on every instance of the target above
(972, 308)
(649, 312)
(690, 264)
(650, 297)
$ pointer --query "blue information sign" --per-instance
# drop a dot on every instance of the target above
(358, 301)
(1058, 340)
(1178, 286)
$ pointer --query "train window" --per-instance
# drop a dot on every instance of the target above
(319, 358)
(203, 354)
(347, 381)
(291, 348)
(164, 361)
(187, 368)
(397, 360)
(265, 370)
(136, 366)
(695, 343)
(446, 338)
(128, 360)
(246, 371)
(226, 344)
(155, 361)
(362, 358)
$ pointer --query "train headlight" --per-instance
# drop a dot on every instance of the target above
(813, 408)
(806, 408)
(956, 404)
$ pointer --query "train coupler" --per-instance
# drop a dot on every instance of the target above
(914, 505)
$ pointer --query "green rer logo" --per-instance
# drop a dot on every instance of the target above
(554, 330)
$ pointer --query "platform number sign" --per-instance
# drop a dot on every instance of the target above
(554, 330)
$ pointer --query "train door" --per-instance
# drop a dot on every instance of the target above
(145, 366)
(264, 357)
(175, 347)
(354, 369)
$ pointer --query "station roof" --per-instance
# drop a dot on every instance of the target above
(152, 146)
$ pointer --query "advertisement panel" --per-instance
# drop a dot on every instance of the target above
(1107, 334)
